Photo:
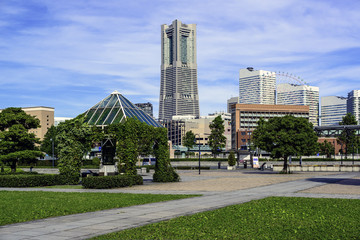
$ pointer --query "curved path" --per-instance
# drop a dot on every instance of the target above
(219, 189)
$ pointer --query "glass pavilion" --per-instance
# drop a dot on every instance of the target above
(115, 109)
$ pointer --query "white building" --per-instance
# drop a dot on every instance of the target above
(333, 109)
(292, 94)
(179, 87)
(58, 120)
(256, 86)
(353, 104)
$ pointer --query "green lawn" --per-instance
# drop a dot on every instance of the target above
(269, 218)
(25, 206)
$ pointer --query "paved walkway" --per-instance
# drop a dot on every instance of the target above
(86, 225)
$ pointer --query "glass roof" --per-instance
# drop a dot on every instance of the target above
(115, 109)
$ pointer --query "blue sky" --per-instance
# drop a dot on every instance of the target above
(71, 54)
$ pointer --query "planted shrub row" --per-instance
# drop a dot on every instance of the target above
(112, 181)
(32, 180)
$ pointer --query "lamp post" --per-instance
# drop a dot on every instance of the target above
(198, 136)
(52, 148)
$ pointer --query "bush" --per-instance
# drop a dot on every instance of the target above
(95, 161)
(169, 175)
(112, 181)
(231, 159)
(31, 180)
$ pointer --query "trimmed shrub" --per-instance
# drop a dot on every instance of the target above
(231, 159)
(95, 161)
(169, 175)
(31, 180)
(112, 181)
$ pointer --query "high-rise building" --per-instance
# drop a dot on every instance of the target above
(230, 102)
(179, 88)
(292, 94)
(146, 107)
(353, 104)
(46, 117)
(256, 86)
(333, 108)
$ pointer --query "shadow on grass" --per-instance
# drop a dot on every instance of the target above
(342, 181)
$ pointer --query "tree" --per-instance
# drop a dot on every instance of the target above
(74, 138)
(164, 172)
(326, 148)
(348, 137)
(133, 138)
(16, 143)
(217, 139)
(48, 141)
(189, 140)
(285, 136)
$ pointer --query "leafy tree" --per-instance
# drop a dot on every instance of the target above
(285, 136)
(133, 138)
(74, 138)
(217, 139)
(189, 140)
(16, 143)
(231, 159)
(164, 172)
(49, 138)
(348, 137)
(326, 148)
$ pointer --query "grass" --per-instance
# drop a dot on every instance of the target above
(25, 206)
(269, 218)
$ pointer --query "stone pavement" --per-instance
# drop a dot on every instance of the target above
(86, 225)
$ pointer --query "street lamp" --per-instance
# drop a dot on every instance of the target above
(52, 147)
(198, 136)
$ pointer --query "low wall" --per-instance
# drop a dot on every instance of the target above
(320, 168)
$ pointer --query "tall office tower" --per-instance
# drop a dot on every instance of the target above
(292, 94)
(230, 102)
(353, 104)
(146, 107)
(333, 108)
(256, 86)
(179, 88)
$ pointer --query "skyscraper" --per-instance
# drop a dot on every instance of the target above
(292, 94)
(333, 108)
(230, 102)
(179, 88)
(353, 104)
(256, 86)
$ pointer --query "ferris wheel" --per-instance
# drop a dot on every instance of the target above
(293, 90)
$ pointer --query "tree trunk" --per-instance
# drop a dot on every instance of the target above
(13, 166)
(285, 168)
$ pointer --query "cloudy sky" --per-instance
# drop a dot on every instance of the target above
(70, 54)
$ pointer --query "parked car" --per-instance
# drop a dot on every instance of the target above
(149, 161)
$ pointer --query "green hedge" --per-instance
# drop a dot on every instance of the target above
(31, 180)
(311, 159)
(112, 181)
